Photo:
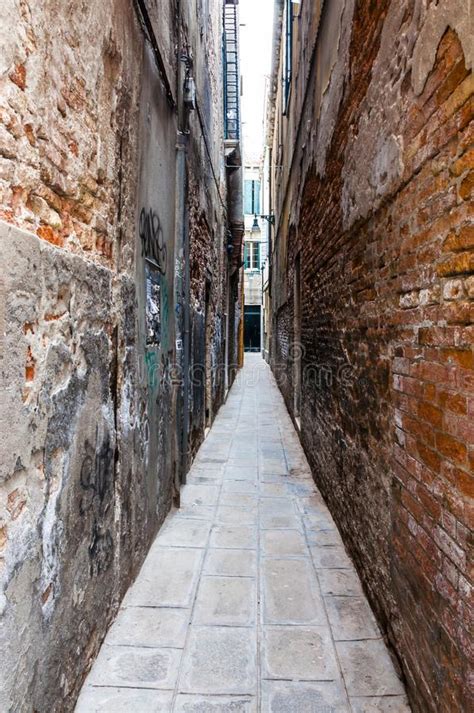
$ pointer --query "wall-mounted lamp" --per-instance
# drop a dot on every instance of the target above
(255, 226)
(270, 218)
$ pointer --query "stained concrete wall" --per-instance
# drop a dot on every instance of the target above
(372, 183)
(90, 412)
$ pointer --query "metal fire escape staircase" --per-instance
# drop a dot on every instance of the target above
(231, 74)
(233, 156)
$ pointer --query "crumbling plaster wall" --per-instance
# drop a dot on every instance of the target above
(72, 497)
(88, 451)
(378, 206)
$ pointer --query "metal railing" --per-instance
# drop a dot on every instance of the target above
(231, 73)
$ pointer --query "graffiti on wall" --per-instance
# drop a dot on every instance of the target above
(155, 253)
(153, 306)
(96, 482)
(151, 236)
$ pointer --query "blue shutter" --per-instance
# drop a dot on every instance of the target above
(246, 256)
(248, 197)
(257, 197)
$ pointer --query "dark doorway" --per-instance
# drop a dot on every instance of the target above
(252, 327)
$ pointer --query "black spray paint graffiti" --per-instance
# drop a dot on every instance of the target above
(154, 252)
(153, 306)
(151, 235)
(96, 482)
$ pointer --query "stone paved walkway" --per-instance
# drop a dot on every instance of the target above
(247, 600)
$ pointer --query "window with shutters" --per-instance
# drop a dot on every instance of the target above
(251, 197)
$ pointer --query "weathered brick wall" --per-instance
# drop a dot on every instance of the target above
(384, 225)
(61, 145)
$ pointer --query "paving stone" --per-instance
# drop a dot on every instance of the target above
(330, 558)
(196, 512)
(324, 538)
(167, 579)
(205, 460)
(277, 506)
(302, 488)
(219, 660)
(312, 504)
(239, 486)
(276, 477)
(135, 667)
(368, 669)
(229, 515)
(216, 467)
(213, 457)
(233, 536)
(381, 704)
(183, 532)
(199, 494)
(229, 601)
(239, 500)
(238, 458)
(299, 653)
(291, 594)
(231, 563)
(212, 470)
(319, 521)
(340, 582)
(207, 479)
(280, 490)
(351, 618)
(269, 436)
(123, 700)
(273, 467)
(215, 704)
(236, 472)
(150, 626)
(283, 542)
(303, 697)
(272, 449)
(270, 521)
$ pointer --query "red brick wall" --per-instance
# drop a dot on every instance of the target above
(387, 311)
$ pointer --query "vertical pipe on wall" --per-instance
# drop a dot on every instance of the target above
(186, 351)
(227, 313)
(182, 265)
(182, 299)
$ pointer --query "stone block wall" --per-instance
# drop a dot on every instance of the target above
(377, 202)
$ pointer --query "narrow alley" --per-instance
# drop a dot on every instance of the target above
(236, 356)
(247, 600)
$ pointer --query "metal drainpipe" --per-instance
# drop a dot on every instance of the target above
(186, 347)
(182, 234)
(182, 292)
(226, 358)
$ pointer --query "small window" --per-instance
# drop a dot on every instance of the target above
(251, 197)
(252, 255)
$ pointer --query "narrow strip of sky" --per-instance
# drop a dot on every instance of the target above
(256, 19)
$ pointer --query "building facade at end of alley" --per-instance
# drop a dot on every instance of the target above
(369, 177)
(121, 232)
